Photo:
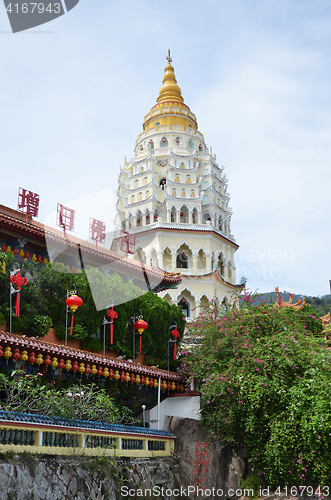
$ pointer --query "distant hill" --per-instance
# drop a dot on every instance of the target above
(322, 305)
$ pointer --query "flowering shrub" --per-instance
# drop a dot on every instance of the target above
(265, 383)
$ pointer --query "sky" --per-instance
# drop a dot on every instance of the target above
(73, 94)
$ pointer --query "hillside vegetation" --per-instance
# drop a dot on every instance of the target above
(265, 383)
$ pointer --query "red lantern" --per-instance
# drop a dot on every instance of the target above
(112, 315)
(168, 386)
(132, 379)
(75, 367)
(15, 252)
(32, 358)
(99, 371)
(61, 364)
(143, 380)
(111, 373)
(151, 382)
(16, 354)
(39, 259)
(47, 361)
(19, 281)
(3, 248)
(87, 370)
(27, 255)
(74, 302)
(175, 333)
(1, 351)
(140, 325)
(177, 387)
(122, 376)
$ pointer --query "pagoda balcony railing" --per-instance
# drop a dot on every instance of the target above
(22, 432)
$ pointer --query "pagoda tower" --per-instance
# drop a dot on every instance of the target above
(173, 197)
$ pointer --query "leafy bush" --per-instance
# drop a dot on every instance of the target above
(40, 325)
(46, 293)
(265, 383)
(29, 394)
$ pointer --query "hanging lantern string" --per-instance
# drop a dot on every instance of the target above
(74, 302)
(19, 281)
(112, 315)
(175, 334)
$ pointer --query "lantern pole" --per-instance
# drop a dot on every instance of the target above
(134, 319)
(11, 291)
(67, 310)
(144, 416)
(158, 402)
(105, 322)
(170, 341)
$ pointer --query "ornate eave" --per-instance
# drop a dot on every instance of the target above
(37, 346)
(11, 221)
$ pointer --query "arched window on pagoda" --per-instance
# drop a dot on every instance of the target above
(163, 142)
(201, 260)
(195, 216)
(139, 218)
(183, 258)
(190, 144)
(157, 214)
(220, 264)
(173, 214)
(185, 307)
(148, 217)
(167, 259)
(184, 214)
(206, 217)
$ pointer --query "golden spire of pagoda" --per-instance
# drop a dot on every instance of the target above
(170, 91)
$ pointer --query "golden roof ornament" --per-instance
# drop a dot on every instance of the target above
(170, 91)
(281, 303)
(326, 320)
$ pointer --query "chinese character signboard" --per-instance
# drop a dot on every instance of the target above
(97, 230)
(127, 242)
(28, 202)
(65, 217)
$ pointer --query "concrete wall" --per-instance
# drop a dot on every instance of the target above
(180, 406)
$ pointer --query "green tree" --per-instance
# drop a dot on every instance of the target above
(265, 383)
(43, 302)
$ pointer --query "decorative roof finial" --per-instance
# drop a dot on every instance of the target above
(170, 91)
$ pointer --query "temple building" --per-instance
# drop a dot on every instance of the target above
(173, 199)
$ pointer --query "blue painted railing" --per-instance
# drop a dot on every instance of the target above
(81, 424)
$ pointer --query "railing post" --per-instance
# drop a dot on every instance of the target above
(81, 440)
(38, 438)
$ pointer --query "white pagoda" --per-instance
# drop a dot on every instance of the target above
(173, 197)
